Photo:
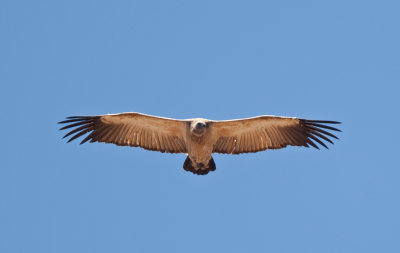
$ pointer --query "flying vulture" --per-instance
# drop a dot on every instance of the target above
(199, 138)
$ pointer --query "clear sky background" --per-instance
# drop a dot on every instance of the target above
(329, 60)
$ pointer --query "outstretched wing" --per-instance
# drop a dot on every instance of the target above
(130, 129)
(270, 132)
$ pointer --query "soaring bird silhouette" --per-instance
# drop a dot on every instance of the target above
(198, 137)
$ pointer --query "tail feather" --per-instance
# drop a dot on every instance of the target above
(195, 169)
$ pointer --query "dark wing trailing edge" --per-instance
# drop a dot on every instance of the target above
(271, 132)
(129, 129)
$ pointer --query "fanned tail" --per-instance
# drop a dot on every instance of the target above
(199, 170)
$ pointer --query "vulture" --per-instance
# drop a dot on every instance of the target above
(198, 138)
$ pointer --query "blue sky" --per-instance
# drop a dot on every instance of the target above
(336, 60)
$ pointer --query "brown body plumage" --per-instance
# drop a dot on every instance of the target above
(199, 138)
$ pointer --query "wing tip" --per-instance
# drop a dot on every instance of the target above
(80, 125)
(315, 130)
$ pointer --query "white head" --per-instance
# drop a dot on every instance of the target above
(198, 127)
